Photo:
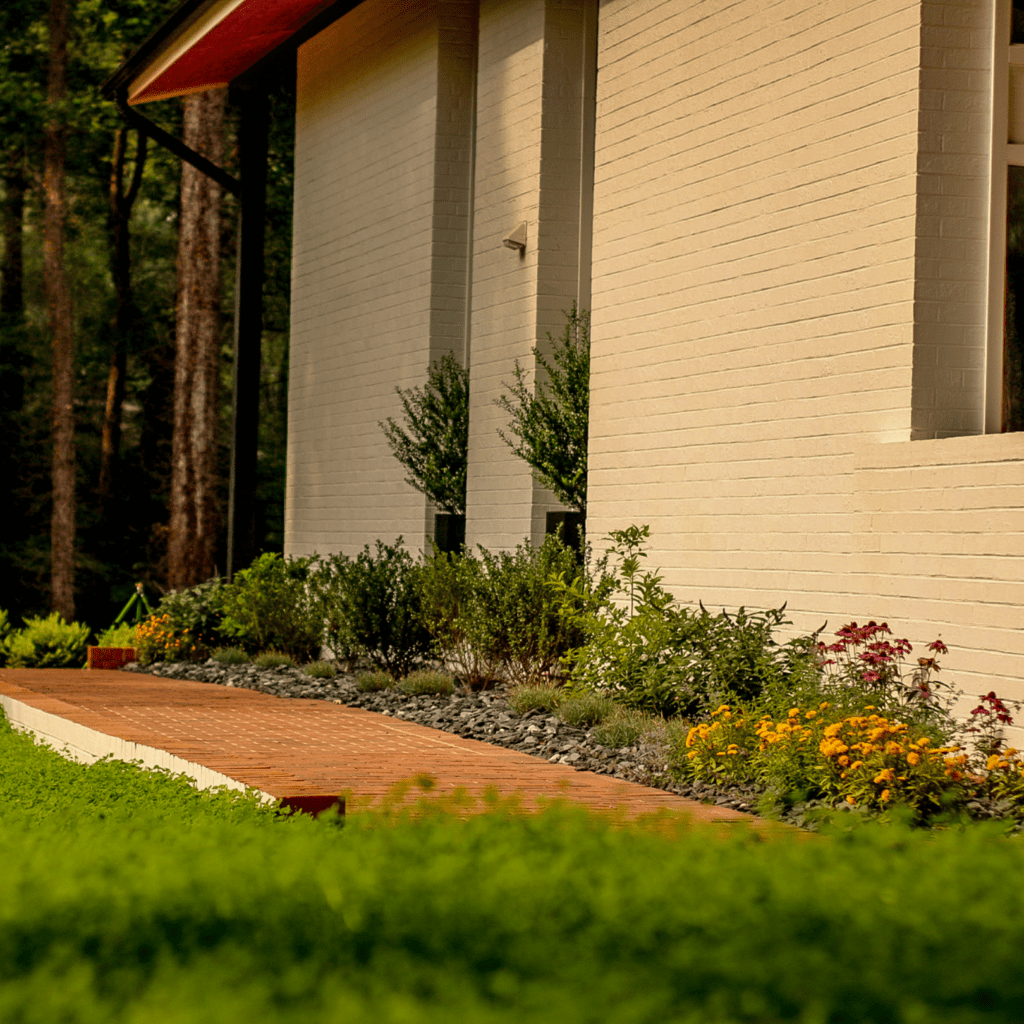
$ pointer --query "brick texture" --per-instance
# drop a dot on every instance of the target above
(380, 258)
(789, 314)
(308, 748)
(528, 168)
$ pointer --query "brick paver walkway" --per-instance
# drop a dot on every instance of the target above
(296, 748)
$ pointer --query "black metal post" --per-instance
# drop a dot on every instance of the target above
(252, 159)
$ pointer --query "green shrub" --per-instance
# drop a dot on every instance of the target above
(673, 661)
(584, 710)
(270, 606)
(273, 659)
(434, 445)
(450, 588)
(517, 618)
(549, 412)
(321, 669)
(374, 682)
(230, 656)
(125, 634)
(195, 609)
(427, 681)
(540, 697)
(47, 643)
(625, 727)
(375, 600)
(329, 583)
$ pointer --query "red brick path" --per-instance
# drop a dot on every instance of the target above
(294, 747)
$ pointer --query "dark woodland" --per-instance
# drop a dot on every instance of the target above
(116, 298)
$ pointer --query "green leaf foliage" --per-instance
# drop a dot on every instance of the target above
(270, 606)
(653, 655)
(500, 614)
(47, 643)
(125, 902)
(433, 444)
(549, 417)
(373, 604)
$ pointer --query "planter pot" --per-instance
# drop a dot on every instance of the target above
(110, 657)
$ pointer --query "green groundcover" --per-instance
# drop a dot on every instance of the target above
(127, 896)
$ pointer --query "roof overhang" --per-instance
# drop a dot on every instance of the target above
(205, 44)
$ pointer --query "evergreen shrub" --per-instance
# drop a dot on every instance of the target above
(270, 606)
(375, 603)
(47, 643)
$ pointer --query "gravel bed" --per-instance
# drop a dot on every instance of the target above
(483, 716)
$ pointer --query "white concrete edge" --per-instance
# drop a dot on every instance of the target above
(80, 743)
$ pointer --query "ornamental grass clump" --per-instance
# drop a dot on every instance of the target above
(541, 697)
(374, 681)
(273, 659)
(230, 656)
(625, 727)
(427, 682)
(584, 710)
(321, 669)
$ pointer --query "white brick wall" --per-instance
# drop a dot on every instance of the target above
(530, 82)
(379, 260)
(789, 285)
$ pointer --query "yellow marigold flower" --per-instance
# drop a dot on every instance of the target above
(992, 763)
(810, 714)
(844, 761)
(923, 741)
(885, 775)
(885, 795)
(856, 765)
(719, 753)
(833, 730)
(869, 707)
(850, 800)
(893, 748)
(692, 754)
(913, 758)
(824, 704)
(794, 712)
(842, 775)
(732, 749)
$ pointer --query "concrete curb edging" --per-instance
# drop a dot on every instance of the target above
(85, 745)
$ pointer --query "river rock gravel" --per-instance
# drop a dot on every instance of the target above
(484, 716)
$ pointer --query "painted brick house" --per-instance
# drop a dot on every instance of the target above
(789, 220)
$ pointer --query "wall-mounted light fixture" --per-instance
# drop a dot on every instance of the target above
(516, 239)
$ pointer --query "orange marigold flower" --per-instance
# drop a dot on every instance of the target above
(885, 795)
(913, 757)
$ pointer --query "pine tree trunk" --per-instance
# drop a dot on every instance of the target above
(193, 514)
(12, 301)
(58, 301)
(121, 201)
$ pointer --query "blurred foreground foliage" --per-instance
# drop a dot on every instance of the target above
(125, 899)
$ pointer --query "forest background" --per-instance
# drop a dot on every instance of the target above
(121, 500)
